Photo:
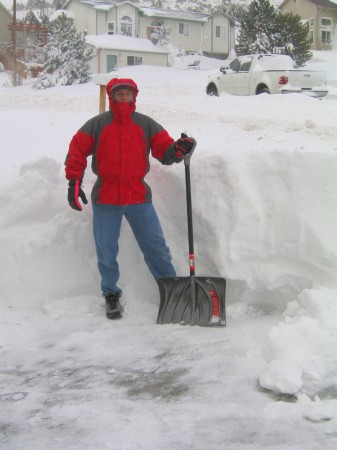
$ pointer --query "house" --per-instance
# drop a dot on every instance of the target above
(321, 16)
(111, 52)
(5, 36)
(191, 32)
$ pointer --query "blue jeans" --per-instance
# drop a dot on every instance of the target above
(144, 222)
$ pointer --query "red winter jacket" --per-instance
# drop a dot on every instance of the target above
(120, 142)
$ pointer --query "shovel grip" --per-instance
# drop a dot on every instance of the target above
(187, 157)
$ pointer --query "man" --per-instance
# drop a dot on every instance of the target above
(120, 142)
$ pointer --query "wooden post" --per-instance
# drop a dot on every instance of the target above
(102, 98)
(102, 79)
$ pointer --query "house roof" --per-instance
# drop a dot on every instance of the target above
(329, 4)
(59, 13)
(116, 42)
(21, 14)
(106, 5)
(325, 4)
(173, 14)
(6, 10)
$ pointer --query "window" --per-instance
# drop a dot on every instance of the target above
(311, 36)
(326, 37)
(235, 65)
(126, 26)
(325, 22)
(111, 28)
(134, 60)
(326, 32)
(245, 67)
(157, 23)
(184, 29)
(111, 63)
(311, 22)
(220, 32)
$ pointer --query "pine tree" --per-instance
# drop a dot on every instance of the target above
(263, 30)
(65, 57)
(294, 38)
(258, 26)
(161, 35)
(235, 11)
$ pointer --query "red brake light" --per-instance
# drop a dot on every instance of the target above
(283, 80)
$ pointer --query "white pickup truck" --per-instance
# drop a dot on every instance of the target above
(269, 73)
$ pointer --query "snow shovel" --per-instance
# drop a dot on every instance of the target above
(192, 300)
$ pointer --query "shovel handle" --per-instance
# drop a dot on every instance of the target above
(187, 159)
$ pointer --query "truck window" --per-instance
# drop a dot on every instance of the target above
(235, 65)
(245, 66)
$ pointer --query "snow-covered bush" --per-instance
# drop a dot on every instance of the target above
(44, 80)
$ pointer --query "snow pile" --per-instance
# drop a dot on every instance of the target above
(40, 248)
(302, 349)
(290, 247)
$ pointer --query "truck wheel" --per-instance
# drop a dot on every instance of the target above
(212, 90)
(263, 91)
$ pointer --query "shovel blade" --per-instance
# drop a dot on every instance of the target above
(192, 301)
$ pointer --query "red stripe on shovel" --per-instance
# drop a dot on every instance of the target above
(215, 303)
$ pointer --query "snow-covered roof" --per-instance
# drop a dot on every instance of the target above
(6, 9)
(21, 14)
(98, 4)
(147, 11)
(114, 42)
(329, 4)
(174, 14)
(68, 13)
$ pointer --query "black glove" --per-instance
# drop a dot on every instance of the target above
(74, 193)
(184, 145)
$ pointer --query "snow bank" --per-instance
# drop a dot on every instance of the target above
(271, 224)
(301, 351)
(42, 243)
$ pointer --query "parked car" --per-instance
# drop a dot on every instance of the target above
(272, 74)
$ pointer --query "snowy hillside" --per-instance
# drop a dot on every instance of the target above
(264, 202)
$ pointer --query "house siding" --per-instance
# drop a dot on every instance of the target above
(85, 18)
(99, 61)
(5, 19)
(192, 42)
(115, 16)
(101, 22)
(122, 59)
(214, 44)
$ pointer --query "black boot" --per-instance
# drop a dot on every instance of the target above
(113, 308)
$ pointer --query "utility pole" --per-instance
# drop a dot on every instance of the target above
(14, 44)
